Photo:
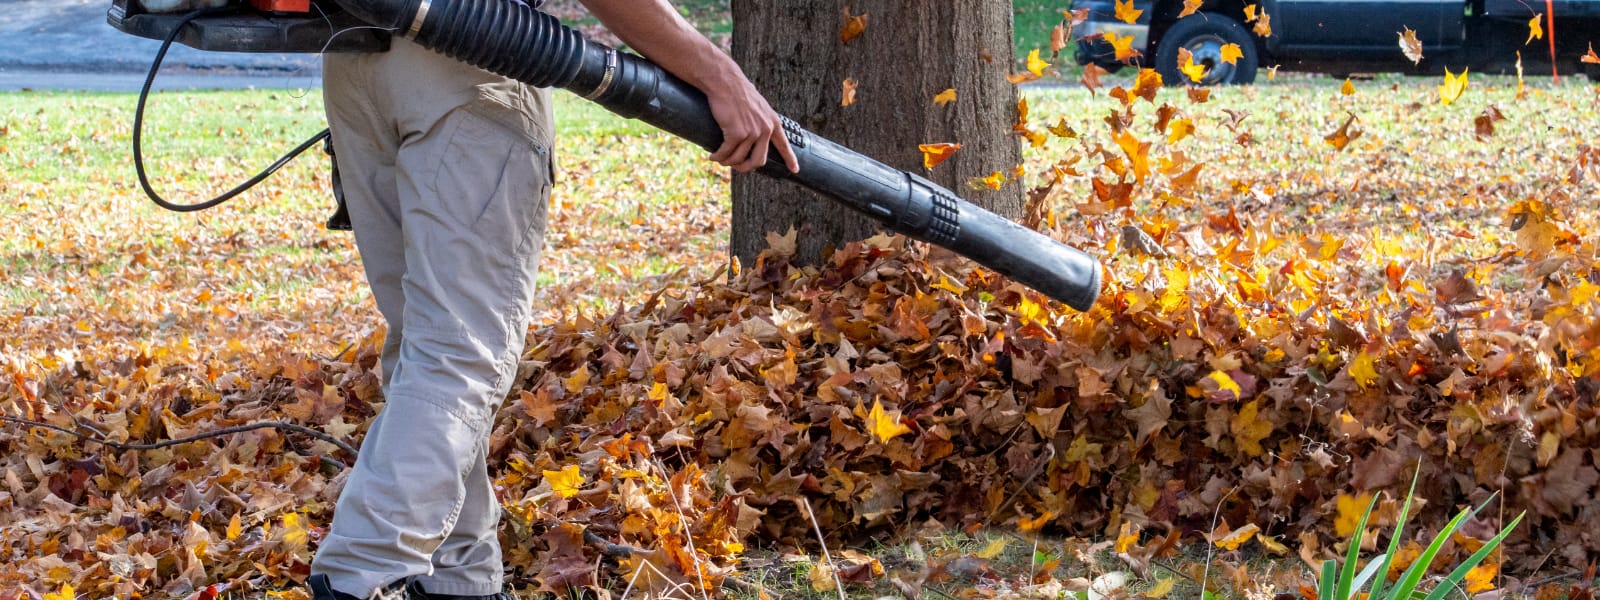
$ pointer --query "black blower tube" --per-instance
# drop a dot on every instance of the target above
(516, 41)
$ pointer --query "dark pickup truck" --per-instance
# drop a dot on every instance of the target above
(1342, 37)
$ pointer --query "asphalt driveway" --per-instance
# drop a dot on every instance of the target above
(67, 45)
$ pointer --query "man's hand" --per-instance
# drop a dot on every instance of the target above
(657, 31)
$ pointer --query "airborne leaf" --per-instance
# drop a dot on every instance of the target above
(1348, 88)
(1231, 53)
(1036, 65)
(1126, 13)
(1190, 7)
(1411, 46)
(933, 154)
(1121, 46)
(847, 92)
(853, 25)
(1452, 87)
(1535, 29)
(945, 97)
(1263, 26)
(1187, 66)
(1591, 57)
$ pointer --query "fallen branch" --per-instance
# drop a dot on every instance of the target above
(193, 438)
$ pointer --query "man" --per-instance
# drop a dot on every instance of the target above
(446, 172)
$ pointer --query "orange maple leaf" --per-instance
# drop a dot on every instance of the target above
(1190, 7)
(1126, 13)
(1231, 53)
(1591, 57)
(933, 154)
(853, 25)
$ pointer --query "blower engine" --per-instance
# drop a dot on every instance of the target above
(509, 38)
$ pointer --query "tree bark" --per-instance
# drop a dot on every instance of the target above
(910, 51)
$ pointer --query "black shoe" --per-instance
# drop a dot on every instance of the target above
(322, 590)
(417, 593)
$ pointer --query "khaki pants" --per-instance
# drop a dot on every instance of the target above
(446, 172)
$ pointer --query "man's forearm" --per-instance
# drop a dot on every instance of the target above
(655, 30)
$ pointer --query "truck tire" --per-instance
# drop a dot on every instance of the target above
(1205, 34)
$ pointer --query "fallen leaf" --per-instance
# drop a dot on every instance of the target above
(566, 483)
(1348, 513)
(884, 425)
(1161, 588)
(993, 548)
(1231, 540)
(1480, 579)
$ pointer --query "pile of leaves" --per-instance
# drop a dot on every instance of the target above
(1273, 347)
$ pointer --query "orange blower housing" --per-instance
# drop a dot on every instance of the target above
(282, 6)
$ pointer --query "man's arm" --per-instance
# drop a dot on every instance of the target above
(656, 30)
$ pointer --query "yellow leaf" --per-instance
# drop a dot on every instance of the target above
(1591, 57)
(1350, 509)
(821, 576)
(933, 154)
(1263, 26)
(1249, 428)
(1190, 7)
(1237, 537)
(1127, 537)
(66, 593)
(1036, 65)
(1249, 13)
(294, 530)
(1363, 369)
(1481, 578)
(1272, 544)
(995, 180)
(1186, 65)
(994, 548)
(884, 425)
(1453, 86)
(1231, 53)
(1179, 129)
(1535, 30)
(949, 95)
(1122, 46)
(566, 483)
(1161, 588)
(1126, 13)
(1034, 524)
(1348, 89)
(1225, 383)
(946, 285)
(233, 528)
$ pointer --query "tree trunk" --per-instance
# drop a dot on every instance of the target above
(910, 51)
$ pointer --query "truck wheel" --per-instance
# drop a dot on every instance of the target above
(1205, 34)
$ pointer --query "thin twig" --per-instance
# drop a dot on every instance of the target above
(193, 438)
(608, 548)
(838, 585)
(688, 537)
(1045, 464)
(1205, 577)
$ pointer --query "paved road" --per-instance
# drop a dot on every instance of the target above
(67, 45)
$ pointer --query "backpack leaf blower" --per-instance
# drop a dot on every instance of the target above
(512, 39)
